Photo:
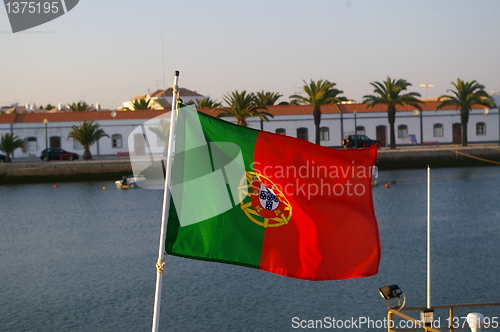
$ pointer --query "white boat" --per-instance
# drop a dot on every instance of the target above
(131, 183)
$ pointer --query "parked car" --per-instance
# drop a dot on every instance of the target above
(2, 157)
(362, 141)
(58, 154)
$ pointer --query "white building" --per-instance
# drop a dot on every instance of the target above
(293, 120)
(38, 135)
(339, 120)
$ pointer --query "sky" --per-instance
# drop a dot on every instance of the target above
(110, 51)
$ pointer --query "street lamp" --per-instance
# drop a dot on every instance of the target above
(355, 130)
(427, 86)
(46, 121)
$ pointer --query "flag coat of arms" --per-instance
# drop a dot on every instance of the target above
(271, 202)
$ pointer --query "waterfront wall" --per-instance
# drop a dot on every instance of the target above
(37, 172)
(445, 156)
(30, 171)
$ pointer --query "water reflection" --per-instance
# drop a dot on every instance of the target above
(80, 258)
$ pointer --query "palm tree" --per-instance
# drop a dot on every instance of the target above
(162, 131)
(204, 103)
(265, 99)
(8, 143)
(140, 104)
(389, 93)
(78, 107)
(318, 94)
(464, 97)
(242, 106)
(87, 134)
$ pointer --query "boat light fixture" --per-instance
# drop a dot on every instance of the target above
(427, 316)
(390, 292)
(475, 320)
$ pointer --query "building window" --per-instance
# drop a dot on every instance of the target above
(302, 134)
(402, 131)
(438, 130)
(360, 130)
(480, 129)
(116, 141)
(77, 145)
(55, 142)
(31, 144)
(324, 134)
(281, 131)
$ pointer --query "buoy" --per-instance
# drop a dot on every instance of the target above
(55, 186)
(387, 185)
(103, 188)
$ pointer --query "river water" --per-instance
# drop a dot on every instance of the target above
(81, 258)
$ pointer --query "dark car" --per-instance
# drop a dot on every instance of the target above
(2, 157)
(362, 141)
(58, 154)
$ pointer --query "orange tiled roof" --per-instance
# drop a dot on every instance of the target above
(7, 118)
(149, 114)
(79, 116)
(338, 108)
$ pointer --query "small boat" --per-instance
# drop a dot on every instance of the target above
(132, 182)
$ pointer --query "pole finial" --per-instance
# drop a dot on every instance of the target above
(177, 73)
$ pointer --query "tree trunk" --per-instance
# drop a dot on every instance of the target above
(391, 115)
(317, 121)
(87, 155)
(7, 158)
(464, 117)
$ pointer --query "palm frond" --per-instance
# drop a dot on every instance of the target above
(264, 99)
(9, 143)
(242, 106)
(87, 133)
(206, 103)
(162, 130)
(78, 107)
(465, 96)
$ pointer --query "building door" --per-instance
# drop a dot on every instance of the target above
(381, 132)
(457, 133)
(55, 142)
(139, 144)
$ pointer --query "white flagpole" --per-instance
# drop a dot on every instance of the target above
(166, 206)
(428, 237)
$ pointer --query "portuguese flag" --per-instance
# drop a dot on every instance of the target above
(271, 202)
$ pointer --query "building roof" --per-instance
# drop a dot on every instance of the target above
(7, 118)
(278, 110)
(183, 92)
(80, 116)
(161, 103)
